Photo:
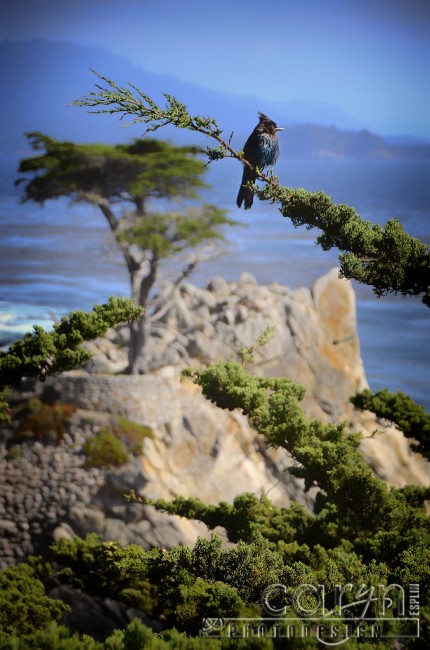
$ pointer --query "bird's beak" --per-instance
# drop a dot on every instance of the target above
(279, 128)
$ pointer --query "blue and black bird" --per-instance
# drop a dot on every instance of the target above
(261, 150)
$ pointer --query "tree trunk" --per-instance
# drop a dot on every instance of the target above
(139, 337)
(140, 330)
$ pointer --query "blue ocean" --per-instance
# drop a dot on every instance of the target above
(58, 257)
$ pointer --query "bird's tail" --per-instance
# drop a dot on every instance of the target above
(246, 195)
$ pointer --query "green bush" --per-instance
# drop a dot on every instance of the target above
(195, 598)
(24, 605)
(104, 449)
(113, 445)
(132, 434)
(409, 416)
(361, 532)
(135, 636)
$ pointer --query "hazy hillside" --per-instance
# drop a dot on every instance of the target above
(321, 142)
(40, 78)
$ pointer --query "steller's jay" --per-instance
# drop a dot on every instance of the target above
(261, 150)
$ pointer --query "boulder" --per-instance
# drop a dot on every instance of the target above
(96, 616)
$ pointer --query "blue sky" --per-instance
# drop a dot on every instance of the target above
(369, 57)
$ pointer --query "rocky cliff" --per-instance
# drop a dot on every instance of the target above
(196, 449)
(315, 340)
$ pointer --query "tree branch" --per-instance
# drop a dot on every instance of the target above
(103, 204)
(43, 353)
(386, 258)
(114, 223)
(149, 279)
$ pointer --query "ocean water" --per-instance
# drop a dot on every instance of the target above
(59, 257)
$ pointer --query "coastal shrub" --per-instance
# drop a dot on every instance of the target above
(183, 585)
(136, 636)
(112, 446)
(53, 637)
(24, 605)
(246, 515)
(360, 532)
(195, 598)
(108, 568)
(103, 568)
(104, 449)
(44, 422)
(132, 434)
(403, 411)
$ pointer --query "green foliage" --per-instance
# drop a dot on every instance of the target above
(195, 599)
(42, 353)
(132, 434)
(247, 515)
(47, 353)
(184, 588)
(116, 177)
(104, 449)
(328, 456)
(4, 406)
(117, 99)
(247, 354)
(184, 585)
(414, 567)
(139, 170)
(301, 539)
(99, 567)
(112, 446)
(243, 388)
(409, 416)
(58, 637)
(353, 503)
(170, 233)
(136, 636)
(181, 585)
(108, 175)
(386, 258)
(24, 606)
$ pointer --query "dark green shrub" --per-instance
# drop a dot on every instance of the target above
(409, 416)
(135, 636)
(103, 568)
(195, 598)
(24, 605)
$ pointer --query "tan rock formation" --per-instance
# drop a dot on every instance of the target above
(199, 450)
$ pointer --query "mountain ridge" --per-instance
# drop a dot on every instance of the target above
(43, 77)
